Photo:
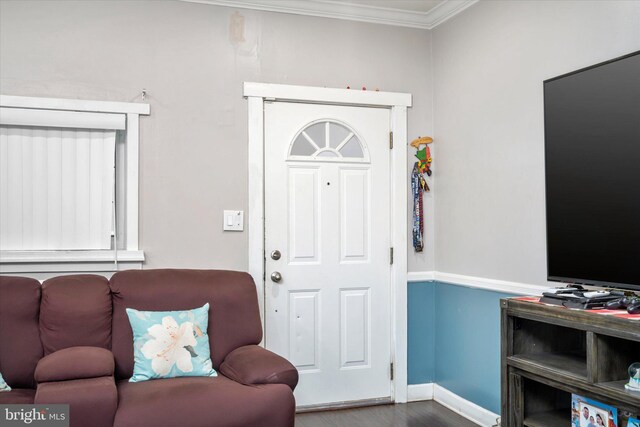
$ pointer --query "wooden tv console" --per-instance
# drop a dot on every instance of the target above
(550, 352)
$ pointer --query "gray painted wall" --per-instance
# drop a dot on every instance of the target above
(193, 60)
(489, 64)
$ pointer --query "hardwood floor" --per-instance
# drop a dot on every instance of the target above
(415, 414)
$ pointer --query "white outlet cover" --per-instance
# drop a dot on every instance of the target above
(233, 220)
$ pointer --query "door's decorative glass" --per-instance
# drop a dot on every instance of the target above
(328, 140)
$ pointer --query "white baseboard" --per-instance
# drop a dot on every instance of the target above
(467, 409)
(417, 392)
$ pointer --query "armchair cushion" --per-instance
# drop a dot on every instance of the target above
(75, 310)
(203, 401)
(252, 364)
(18, 396)
(75, 363)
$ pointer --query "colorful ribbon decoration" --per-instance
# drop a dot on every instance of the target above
(418, 185)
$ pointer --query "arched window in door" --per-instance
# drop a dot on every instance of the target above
(328, 140)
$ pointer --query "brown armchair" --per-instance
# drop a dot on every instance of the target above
(84, 354)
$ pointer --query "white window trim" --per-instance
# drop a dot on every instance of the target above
(95, 261)
(257, 94)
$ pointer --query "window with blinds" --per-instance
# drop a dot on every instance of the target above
(56, 187)
(68, 185)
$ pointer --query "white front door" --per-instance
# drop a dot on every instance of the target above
(327, 213)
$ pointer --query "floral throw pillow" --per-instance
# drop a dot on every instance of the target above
(3, 385)
(168, 344)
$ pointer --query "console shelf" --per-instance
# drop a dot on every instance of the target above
(555, 418)
(550, 352)
(565, 365)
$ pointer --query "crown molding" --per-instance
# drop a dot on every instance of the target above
(446, 10)
(352, 12)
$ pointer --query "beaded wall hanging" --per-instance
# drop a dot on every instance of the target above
(418, 186)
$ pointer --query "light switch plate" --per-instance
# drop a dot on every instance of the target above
(233, 221)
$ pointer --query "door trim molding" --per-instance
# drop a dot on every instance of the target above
(323, 95)
(257, 94)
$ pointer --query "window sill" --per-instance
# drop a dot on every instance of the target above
(68, 261)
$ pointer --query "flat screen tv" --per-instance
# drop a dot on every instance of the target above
(592, 163)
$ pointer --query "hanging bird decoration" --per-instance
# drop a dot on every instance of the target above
(418, 186)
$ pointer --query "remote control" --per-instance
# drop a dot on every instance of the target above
(595, 294)
(561, 290)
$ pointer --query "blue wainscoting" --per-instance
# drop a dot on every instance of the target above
(421, 333)
(454, 340)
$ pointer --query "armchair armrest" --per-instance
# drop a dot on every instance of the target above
(253, 364)
(92, 401)
(81, 377)
(75, 363)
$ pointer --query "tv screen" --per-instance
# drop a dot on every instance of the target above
(592, 155)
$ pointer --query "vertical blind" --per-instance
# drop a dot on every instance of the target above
(56, 188)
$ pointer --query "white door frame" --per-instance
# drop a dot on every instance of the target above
(257, 94)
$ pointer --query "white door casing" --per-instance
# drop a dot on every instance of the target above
(257, 94)
(327, 213)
